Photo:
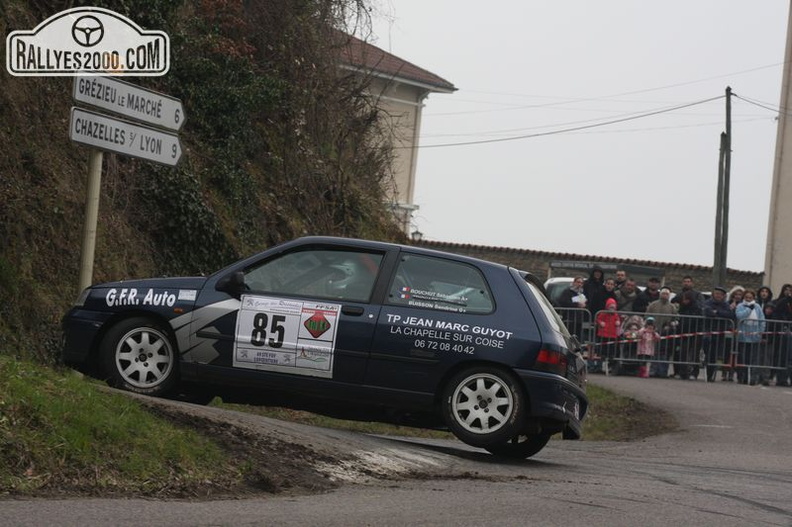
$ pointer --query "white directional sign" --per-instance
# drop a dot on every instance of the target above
(131, 101)
(115, 135)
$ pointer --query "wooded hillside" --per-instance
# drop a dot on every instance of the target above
(279, 142)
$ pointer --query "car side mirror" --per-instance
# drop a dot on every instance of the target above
(233, 284)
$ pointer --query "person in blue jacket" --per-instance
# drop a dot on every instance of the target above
(750, 332)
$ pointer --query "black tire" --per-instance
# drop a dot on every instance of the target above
(139, 356)
(192, 394)
(520, 447)
(483, 406)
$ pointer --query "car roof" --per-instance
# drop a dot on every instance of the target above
(385, 246)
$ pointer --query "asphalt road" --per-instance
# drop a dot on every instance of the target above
(729, 465)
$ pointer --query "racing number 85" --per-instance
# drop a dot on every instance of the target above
(259, 335)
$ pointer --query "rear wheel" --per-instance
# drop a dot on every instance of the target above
(520, 447)
(192, 394)
(139, 356)
(483, 406)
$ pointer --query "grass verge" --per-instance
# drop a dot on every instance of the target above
(61, 434)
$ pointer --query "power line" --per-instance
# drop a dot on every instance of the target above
(674, 127)
(563, 105)
(751, 70)
(573, 129)
(765, 105)
(748, 117)
(586, 99)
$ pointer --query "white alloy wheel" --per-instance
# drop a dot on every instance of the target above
(139, 356)
(144, 358)
(482, 403)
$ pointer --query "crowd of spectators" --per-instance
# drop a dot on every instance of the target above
(741, 333)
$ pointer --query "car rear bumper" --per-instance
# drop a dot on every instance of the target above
(555, 401)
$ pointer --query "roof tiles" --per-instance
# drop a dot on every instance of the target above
(365, 56)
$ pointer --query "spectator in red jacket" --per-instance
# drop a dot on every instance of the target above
(608, 325)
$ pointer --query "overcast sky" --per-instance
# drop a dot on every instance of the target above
(642, 188)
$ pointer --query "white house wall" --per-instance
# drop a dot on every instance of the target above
(778, 257)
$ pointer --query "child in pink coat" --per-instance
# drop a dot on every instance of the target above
(647, 338)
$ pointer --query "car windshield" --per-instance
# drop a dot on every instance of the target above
(324, 273)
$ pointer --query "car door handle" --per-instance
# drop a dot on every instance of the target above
(352, 310)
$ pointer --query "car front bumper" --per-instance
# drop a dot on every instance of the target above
(80, 331)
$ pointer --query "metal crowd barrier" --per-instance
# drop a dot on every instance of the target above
(578, 322)
(748, 351)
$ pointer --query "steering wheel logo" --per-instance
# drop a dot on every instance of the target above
(88, 31)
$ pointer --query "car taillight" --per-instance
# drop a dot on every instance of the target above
(551, 361)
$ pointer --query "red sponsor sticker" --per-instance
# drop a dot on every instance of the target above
(317, 325)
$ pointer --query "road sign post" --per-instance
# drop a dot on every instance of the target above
(91, 217)
(122, 136)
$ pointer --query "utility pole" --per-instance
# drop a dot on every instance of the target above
(717, 264)
(722, 200)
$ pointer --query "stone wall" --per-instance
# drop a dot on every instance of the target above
(538, 263)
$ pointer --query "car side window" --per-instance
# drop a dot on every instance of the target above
(437, 283)
(320, 273)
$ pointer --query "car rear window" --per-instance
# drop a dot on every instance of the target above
(437, 283)
(547, 308)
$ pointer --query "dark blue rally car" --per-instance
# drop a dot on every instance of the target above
(348, 325)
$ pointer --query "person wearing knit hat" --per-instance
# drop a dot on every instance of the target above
(664, 313)
(608, 323)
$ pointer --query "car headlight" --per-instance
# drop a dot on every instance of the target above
(80, 302)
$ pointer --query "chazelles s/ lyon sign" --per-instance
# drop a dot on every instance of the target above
(115, 135)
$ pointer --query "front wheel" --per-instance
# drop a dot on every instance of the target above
(483, 406)
(139, 357)
(520, 447)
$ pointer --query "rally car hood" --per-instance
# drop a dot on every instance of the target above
(193, 282)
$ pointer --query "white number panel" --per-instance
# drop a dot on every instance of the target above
(286, 335)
